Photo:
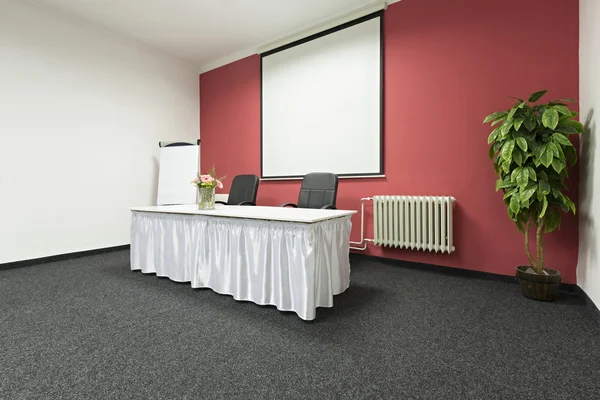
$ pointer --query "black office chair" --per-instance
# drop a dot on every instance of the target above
(319, 190)
(243, 191)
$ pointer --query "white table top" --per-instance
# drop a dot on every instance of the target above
(287, 214)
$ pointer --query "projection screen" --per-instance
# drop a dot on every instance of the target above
(321, 103)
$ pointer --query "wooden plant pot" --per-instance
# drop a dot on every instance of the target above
(538, 287)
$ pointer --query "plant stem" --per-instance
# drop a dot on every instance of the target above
(531, 260)
(539, 247)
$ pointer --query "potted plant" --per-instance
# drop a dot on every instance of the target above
(531, 153)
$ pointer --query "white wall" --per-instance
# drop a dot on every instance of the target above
(81, 114)
(588, 268)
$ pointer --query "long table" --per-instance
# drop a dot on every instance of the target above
(295, 259)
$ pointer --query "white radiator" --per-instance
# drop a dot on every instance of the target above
(414, 222)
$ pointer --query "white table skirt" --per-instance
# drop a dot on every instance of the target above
(293, 266)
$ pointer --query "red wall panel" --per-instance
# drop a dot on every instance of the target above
(447, 65)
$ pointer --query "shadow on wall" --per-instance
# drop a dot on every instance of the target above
(588, 252)
(154, 181)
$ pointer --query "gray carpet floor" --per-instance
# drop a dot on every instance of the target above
(89, 328)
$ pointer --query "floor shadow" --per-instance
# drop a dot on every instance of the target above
(588, 256)
(347, 306)
(349, 303)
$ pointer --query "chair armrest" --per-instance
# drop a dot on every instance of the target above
(289, 205)
(246, 203)
(220, 202)
(328, 207)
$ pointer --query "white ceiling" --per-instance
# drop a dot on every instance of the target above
(206, 33)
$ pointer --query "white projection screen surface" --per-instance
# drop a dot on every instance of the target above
(321, 103)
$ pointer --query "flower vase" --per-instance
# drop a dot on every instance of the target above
(206, 198)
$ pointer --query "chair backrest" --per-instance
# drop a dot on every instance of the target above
(318, 189)
(243, 188)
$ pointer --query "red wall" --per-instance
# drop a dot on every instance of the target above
(447, 65)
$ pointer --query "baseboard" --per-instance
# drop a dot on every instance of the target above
(565, 288)
(60, 257)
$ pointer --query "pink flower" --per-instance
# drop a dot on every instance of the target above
(196, 180)
(206, 178)
(219, 184)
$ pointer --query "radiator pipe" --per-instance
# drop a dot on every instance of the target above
(362, 221)
(363, 241)
(364, 246)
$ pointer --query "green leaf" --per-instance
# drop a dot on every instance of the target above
(537, 95)
(574, 124)
(493, 135)
(507, 150)
(521, 221)
(571, 154)
(515, 173)
(493, 116)
(514, 206)
(497, 146)
(518, 157)
(511, 114)
(558, 151)
(570, 204)
(558, 138)
(506, 127)
(550, 118)
(502, 184)
(530, 124)
(523, 178)
(566, 129)
(547, 158)
(568, 100)
(552, 220)
(510, 193)
(539, 196)
(540, 112)
(554, 148)
(491, 152)
(522, 143)
(532, 174)
(516, 98)
(558, 165)
(544, 187)
(510, 213)
(556, 193)
(517, 123)
(562, 109)
(544, 208)
(519, 226)
(539, 150)
(527, 193)
(497, 121)
(564, 207)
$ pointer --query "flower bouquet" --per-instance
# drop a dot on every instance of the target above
(206, 184)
